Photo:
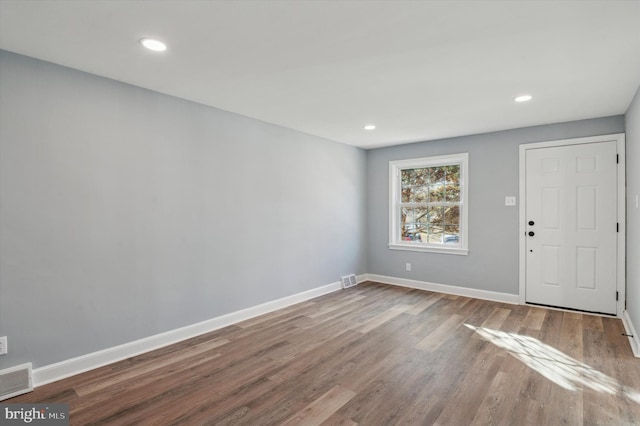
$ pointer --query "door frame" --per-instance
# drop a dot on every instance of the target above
(619, 138)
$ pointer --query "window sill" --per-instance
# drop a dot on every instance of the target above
(430, 249)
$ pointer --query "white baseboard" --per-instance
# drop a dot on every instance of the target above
(70, 367)
(631, 330)
(449, 289)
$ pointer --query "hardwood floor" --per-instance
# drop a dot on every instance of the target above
(374, 355)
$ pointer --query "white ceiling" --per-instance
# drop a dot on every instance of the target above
(419, 70)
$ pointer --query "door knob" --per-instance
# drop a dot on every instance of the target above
(531, 223)
(531, 233)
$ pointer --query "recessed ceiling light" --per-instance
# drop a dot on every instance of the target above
(155, 45)
(523, 98)
(370, 127)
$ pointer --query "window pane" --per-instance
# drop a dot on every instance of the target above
(452, 215)
(406, 194)
(452, 192)
(436, 215)
(421, 176)
(435, 234)
(452, 174)
(421, 216)
(437, 174)
(436, 193)
(406, 176)
(421, 194)
(451, 234)
(406, 215)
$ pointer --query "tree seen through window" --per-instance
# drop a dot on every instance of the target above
(430, 204)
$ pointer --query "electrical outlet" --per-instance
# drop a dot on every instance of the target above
(407, 266)
(3, 345)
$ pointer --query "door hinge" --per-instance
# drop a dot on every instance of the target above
(616, 296)
(618, 227)
(617, 158)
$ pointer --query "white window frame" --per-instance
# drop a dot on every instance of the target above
(395, 167)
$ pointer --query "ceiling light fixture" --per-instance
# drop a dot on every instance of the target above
(155, 45)
(370, 127)
(523, 98)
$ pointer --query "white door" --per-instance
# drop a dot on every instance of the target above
(571, 229)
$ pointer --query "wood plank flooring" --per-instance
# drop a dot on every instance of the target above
(373, 355)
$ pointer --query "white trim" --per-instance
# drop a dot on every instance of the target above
(462, 248)
(430, 249)
(362, 278)
(621, 237)
(448, 289)
(631, 330)
(622, 222)
(70, 367)
(522, 258)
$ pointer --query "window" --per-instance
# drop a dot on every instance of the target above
(428, 204)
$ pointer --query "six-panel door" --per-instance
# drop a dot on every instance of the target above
(571, 210)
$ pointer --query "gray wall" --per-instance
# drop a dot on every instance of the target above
(632, 124)
(492, 263)
(125, 213)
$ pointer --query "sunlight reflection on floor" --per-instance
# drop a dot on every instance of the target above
(555, 365)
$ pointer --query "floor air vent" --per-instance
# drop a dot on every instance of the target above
(15, 381)
(349, 281)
